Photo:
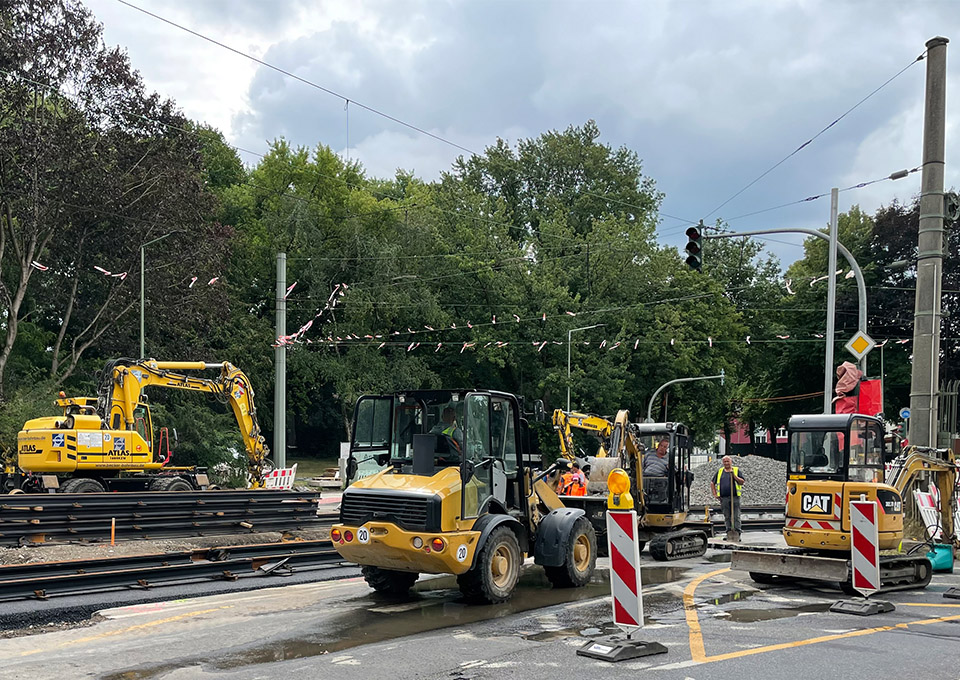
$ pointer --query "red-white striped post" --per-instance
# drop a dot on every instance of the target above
(865, 546)
(625, 569)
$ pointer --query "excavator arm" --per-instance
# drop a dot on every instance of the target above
(564, 422)
(123, 381)
(943, 466)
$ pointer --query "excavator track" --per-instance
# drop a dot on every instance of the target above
(678, 545)
(899, 572)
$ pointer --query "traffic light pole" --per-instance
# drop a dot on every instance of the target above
(848, 256)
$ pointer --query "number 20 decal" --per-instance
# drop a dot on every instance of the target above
(461, 553)
(363, 535)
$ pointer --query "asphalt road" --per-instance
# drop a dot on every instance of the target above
(714, 622)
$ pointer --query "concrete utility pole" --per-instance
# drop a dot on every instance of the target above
(925, 379)
(831, 303)
(280, 366)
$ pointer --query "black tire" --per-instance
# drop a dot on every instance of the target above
(759, 577)
(388, 581)
(170, 484)
(495, 570)
(580, 557)
(82, 485)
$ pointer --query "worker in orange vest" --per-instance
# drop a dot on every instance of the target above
(573, 482)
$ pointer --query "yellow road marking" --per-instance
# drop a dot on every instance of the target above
(925, 604)
(698, 652)
(128, 629)
(690, 610)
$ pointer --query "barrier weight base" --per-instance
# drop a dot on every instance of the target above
(615, 648)
(952, 593)
(862, 607)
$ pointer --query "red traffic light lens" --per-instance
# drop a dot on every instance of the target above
(692, 233)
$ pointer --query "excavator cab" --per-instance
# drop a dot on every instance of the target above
(666, 494)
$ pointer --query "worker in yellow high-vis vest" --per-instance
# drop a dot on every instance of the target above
(727, 486)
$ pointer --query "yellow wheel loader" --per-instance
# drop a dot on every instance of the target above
(836, 458)
(438, 485)
(108, 443)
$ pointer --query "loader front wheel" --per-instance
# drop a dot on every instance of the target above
(580, 559)
(495, 572)
(389, 581)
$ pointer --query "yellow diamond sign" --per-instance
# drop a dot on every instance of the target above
(860, 345)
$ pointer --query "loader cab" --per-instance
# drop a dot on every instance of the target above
(845, 447)
(669, 494)
(423, 432)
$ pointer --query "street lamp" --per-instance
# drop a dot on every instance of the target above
(569, 333)
(141, 286)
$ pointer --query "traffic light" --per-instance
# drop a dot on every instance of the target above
(695, 247)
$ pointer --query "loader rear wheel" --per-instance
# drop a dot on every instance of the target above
(495, 572)
(81, 485)
(389, 581)
(580, 558)
(170, 484)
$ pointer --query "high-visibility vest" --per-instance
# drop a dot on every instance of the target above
(736, 473)
(449, 431)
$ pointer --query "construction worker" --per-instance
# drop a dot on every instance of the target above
(727, 486)
(449, 429)
(572, 482)
(656, 463)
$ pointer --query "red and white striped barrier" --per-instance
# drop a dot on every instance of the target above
(865, 543)
(281, 478)
(625, 569)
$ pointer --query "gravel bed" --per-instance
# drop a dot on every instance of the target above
(764, 481)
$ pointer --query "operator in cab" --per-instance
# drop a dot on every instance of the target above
(656, 463)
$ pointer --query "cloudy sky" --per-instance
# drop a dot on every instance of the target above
(710, 94)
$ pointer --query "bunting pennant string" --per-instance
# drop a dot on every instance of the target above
(101, 270)
(193, 280)
(37, 265)
(289, 290)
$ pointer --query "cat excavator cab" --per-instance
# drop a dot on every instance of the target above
(836, 458)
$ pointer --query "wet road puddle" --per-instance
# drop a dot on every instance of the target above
(432, 604)
(755, 615)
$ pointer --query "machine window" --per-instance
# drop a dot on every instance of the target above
(372, 429)
(816, 452)
(503, 434)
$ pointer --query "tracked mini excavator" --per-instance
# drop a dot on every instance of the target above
(836, 458)
(662, 501)
(108, 443)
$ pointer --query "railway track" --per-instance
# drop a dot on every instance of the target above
(44, 518)
(41, 580)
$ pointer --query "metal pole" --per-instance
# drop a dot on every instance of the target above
(926, 319)
(720, 377)
(280, 366)
(858, 274)
(142, 297)
(141, 301)
(569, 334)
(831, 303)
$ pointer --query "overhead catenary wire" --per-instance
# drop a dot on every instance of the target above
(811, 140)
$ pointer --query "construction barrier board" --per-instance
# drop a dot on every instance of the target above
(625, 569)
(865, 547)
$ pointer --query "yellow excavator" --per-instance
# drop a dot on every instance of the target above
(108, 443)
(836, 458)
(662, 500)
